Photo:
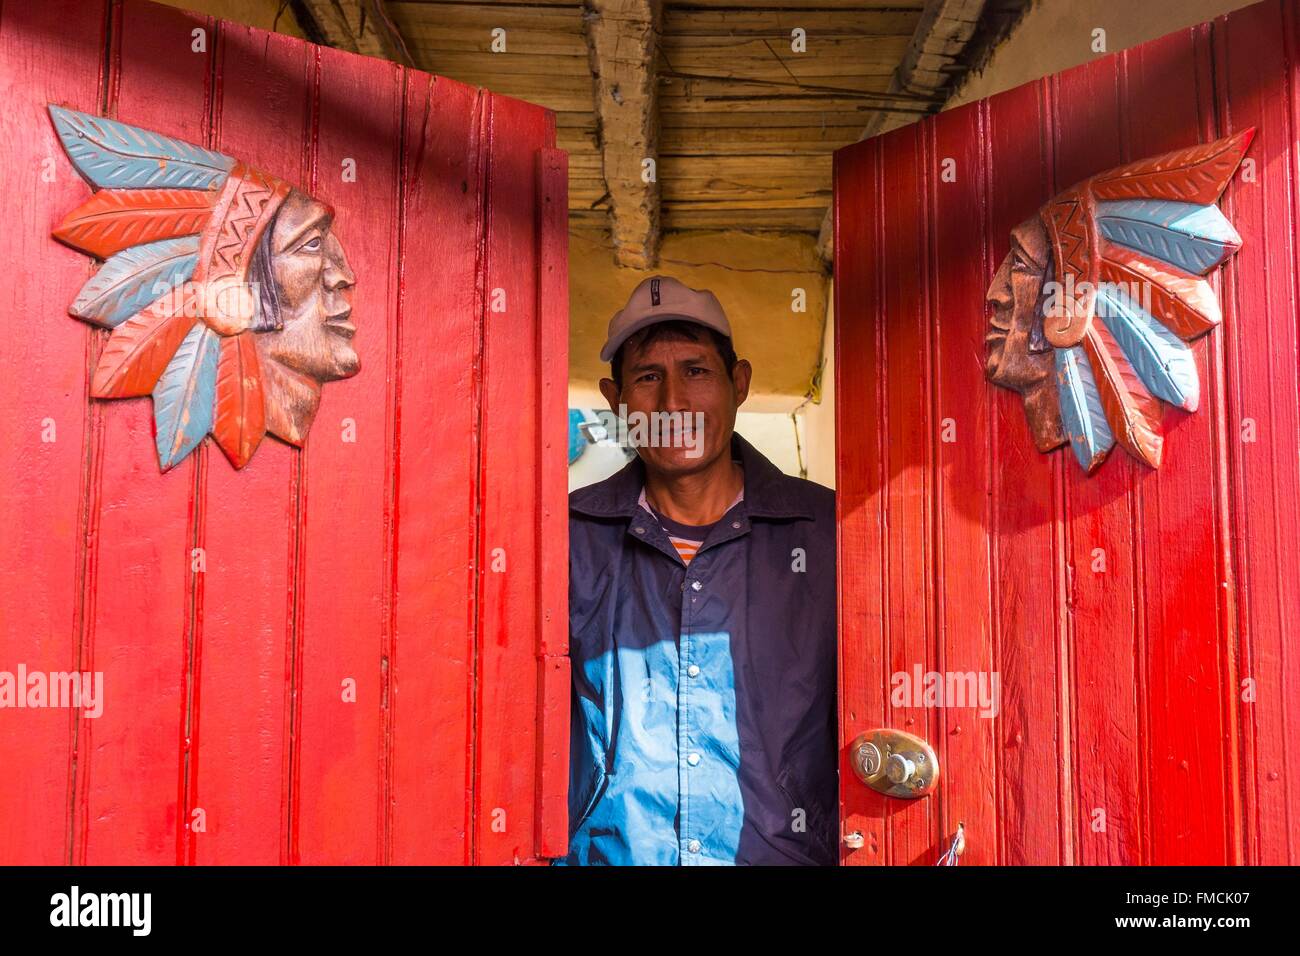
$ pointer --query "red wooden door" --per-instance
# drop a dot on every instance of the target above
(1141, 622)
(414, 548)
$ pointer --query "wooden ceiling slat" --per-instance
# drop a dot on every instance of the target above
(748, 57)
(518, 43)
(765, 220)
(585, 120)
(670, 166)
(724, 69)
(776, 25)
(782, 202)
(840, 44)
(771, 104)
(706, 119)
(843, 86)
(756, 141)
(578, 147)
(436, 4)
(746, 126)
(498, 82)
(685, 190)
(861, 7)
(558, 18)
(505, 64)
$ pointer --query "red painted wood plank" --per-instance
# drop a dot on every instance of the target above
(229, 663)
(437, 376)
(1026, 523)
(907, 177)
(553, 501)
(1254, 69)
(1103, 624)
(860, 427)
(344, 585)
(1119, 684)
(132, 759)
(963, 463)
(1168, 104)
(240, 772)
(49, 53)
(507, 574)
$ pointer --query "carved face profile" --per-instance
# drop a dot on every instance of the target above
(225, 289)
(311, 343)
(1092, 309)
(1018, 355)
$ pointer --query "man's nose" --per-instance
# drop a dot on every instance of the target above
(674, 393)
(999, 295)
(338, 274)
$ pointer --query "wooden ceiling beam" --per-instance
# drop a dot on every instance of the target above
(358, 26)
(623, 41)
(946, 26)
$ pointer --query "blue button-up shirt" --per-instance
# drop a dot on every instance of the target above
(704, 729)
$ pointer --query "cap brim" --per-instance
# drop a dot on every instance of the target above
(654, 318)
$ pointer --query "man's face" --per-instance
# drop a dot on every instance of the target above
(675, 374)
(314, 280)
(1017, 355)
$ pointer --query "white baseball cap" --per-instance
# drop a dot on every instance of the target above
(662, 299)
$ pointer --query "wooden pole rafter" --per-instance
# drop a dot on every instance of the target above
(358, 26)
(622, 40)
(927, 69)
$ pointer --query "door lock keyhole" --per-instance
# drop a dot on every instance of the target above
(895, 763)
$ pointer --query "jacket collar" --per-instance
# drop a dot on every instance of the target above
(768, 492)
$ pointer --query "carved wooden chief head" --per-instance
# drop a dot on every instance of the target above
(226, 291)
(1093, 307)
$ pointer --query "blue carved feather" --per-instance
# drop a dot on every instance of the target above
(1161, 359)
(117, 156)
(1192, 237)
(184, 397)
(1081, 409)
(134, 277)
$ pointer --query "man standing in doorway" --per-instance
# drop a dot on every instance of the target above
(702, 617)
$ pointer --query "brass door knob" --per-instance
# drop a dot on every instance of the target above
(895, 763)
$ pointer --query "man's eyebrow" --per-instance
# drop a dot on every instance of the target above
(312, 223)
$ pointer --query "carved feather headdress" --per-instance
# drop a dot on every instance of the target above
(177, 226)
(1130, 249)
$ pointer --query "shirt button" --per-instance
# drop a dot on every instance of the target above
(693, 760)
(693, 670)
(693, 846)
(639, 530)
(697, 585)
(735, 524)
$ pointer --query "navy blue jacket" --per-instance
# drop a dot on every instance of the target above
(704, 720)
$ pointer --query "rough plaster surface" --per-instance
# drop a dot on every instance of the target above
(1058, 34)
(753, 277)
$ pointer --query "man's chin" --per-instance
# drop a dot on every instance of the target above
(675, 461)
(346, 364)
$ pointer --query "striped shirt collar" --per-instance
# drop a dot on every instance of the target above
(686, 545)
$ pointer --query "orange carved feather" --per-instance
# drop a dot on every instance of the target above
(1185, 303)
(140, 348)
(239, 422)
(1132, 412)
(113, 219)
(1198, 174)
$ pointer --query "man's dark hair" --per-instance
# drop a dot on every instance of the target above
(673, 329)
(266, 314)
